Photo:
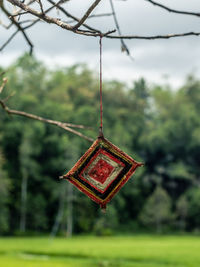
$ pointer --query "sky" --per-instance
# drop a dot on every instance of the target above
(159, 61)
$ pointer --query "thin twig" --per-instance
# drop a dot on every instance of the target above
(18, 14)
(100, 15)
(197, 14)
(153, 37)
(9, 40)
(5, 80)
(72, 16)
(7, 13)
(45, 12)
(86, 15)
(123, 45)
(40, 15)
(41, 6)
(91, 17)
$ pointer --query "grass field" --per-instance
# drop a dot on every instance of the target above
(141, 251)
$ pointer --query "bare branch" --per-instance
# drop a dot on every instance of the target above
(41, 6)
(40, 15)
(7, 13)
(63, 125)
(153, 37)
(72, 17)
(9, 40)
(38, 118)
(123, 45)
(19, 14)
(54, 20)
(91, 17)
(197, 14)
(19, 11)
(87, 13)
(100, 15)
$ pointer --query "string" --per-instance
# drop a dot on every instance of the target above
(100, 78)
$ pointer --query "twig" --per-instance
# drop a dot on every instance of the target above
(123, 45)
(92, 33)
(3, 84)
(40, 15)
(51, 19)
(45, 12)
(72, 16)
(18, 14)
(41, 6)
(91, 17)
(153, 37)
(197, 14)
(100, 15)
(86, 15)
(7, 13)
(26, 21)
(9, 39)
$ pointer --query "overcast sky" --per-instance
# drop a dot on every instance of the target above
(155, 60)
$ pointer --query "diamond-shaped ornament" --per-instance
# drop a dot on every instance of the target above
(102, 171)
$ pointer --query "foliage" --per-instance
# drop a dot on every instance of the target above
(157, 210)
(194, 208)
(4, 198)
(154, 124)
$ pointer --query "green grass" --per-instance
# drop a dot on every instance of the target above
(139, 251)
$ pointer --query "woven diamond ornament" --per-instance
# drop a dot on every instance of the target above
(104, 168)
(102, 171)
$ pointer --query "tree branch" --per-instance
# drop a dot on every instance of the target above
(91, 31)
(38, 118)
(55, 21)
(72, 16)
(123, 45)
(153, 37)
(63, 125)
(197, 14)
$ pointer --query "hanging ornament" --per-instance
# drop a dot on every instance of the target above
(104, 168)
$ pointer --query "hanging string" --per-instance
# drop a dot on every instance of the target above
(100, 78)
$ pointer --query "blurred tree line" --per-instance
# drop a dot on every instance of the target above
(154, 124)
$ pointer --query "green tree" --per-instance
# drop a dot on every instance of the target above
(155, 125)
(182, 211)
(193, 197)
(4, 198)
(156, 212)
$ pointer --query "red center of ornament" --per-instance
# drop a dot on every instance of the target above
(101, 171)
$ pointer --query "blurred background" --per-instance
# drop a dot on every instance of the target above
(151, 111)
